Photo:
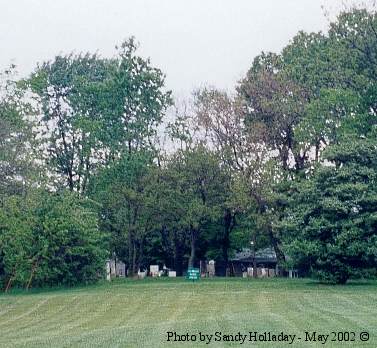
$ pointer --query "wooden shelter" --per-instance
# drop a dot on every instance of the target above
(243, 261)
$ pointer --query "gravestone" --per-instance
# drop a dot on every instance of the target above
(203, 268)
(108, 271)
(172, 274)
(120, 269)
(153, 270)
(211, 268)
(250, 271)
(141, 274)
(259, 272)
(112, 268)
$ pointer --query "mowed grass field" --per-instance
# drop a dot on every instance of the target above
(140, 313)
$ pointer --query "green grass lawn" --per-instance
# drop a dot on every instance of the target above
(140, 313)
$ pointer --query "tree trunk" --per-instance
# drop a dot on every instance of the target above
(255, 273)
(33, 269)
(317, 152)
(9, 283)
(255, 270)
(276, 245)
(141, 255)
(178, 254)
(11, 278)
(134, 252)
(280, 257)
(130, 254)
(284, 156)
(228, 226)
(192, 260)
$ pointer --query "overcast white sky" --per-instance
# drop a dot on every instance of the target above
(194, 42)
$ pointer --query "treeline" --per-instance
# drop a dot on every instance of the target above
(288, 161)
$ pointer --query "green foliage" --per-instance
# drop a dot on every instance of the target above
(146, 207)
(94, 109)
(291, 156)
(331, 223)
(273, 106)
(49, 239)
(17, 169)
(123, 191)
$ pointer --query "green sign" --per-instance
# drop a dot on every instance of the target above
(193, 274)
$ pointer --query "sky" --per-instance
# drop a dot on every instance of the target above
(194, 42)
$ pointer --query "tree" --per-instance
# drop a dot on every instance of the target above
(337, 70)
(71, 146)
(124, 190)
(17, 167)
(168, 204)
(332, 220)
(202, 184)
(353, 35)
(273, 105)
(93, 109)
(245, 156)
(50, 239)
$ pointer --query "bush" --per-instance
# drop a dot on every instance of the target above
(49, 239)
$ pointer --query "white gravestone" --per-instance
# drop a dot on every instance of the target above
(153, 270)
(108, 275)
(250, 271)
(120, 269)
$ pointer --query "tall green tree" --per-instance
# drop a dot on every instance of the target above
(251, 166)
(203, 184)
(93, 109)
(17, 165)
(273, 105)
(124, 191)
(331, 224)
